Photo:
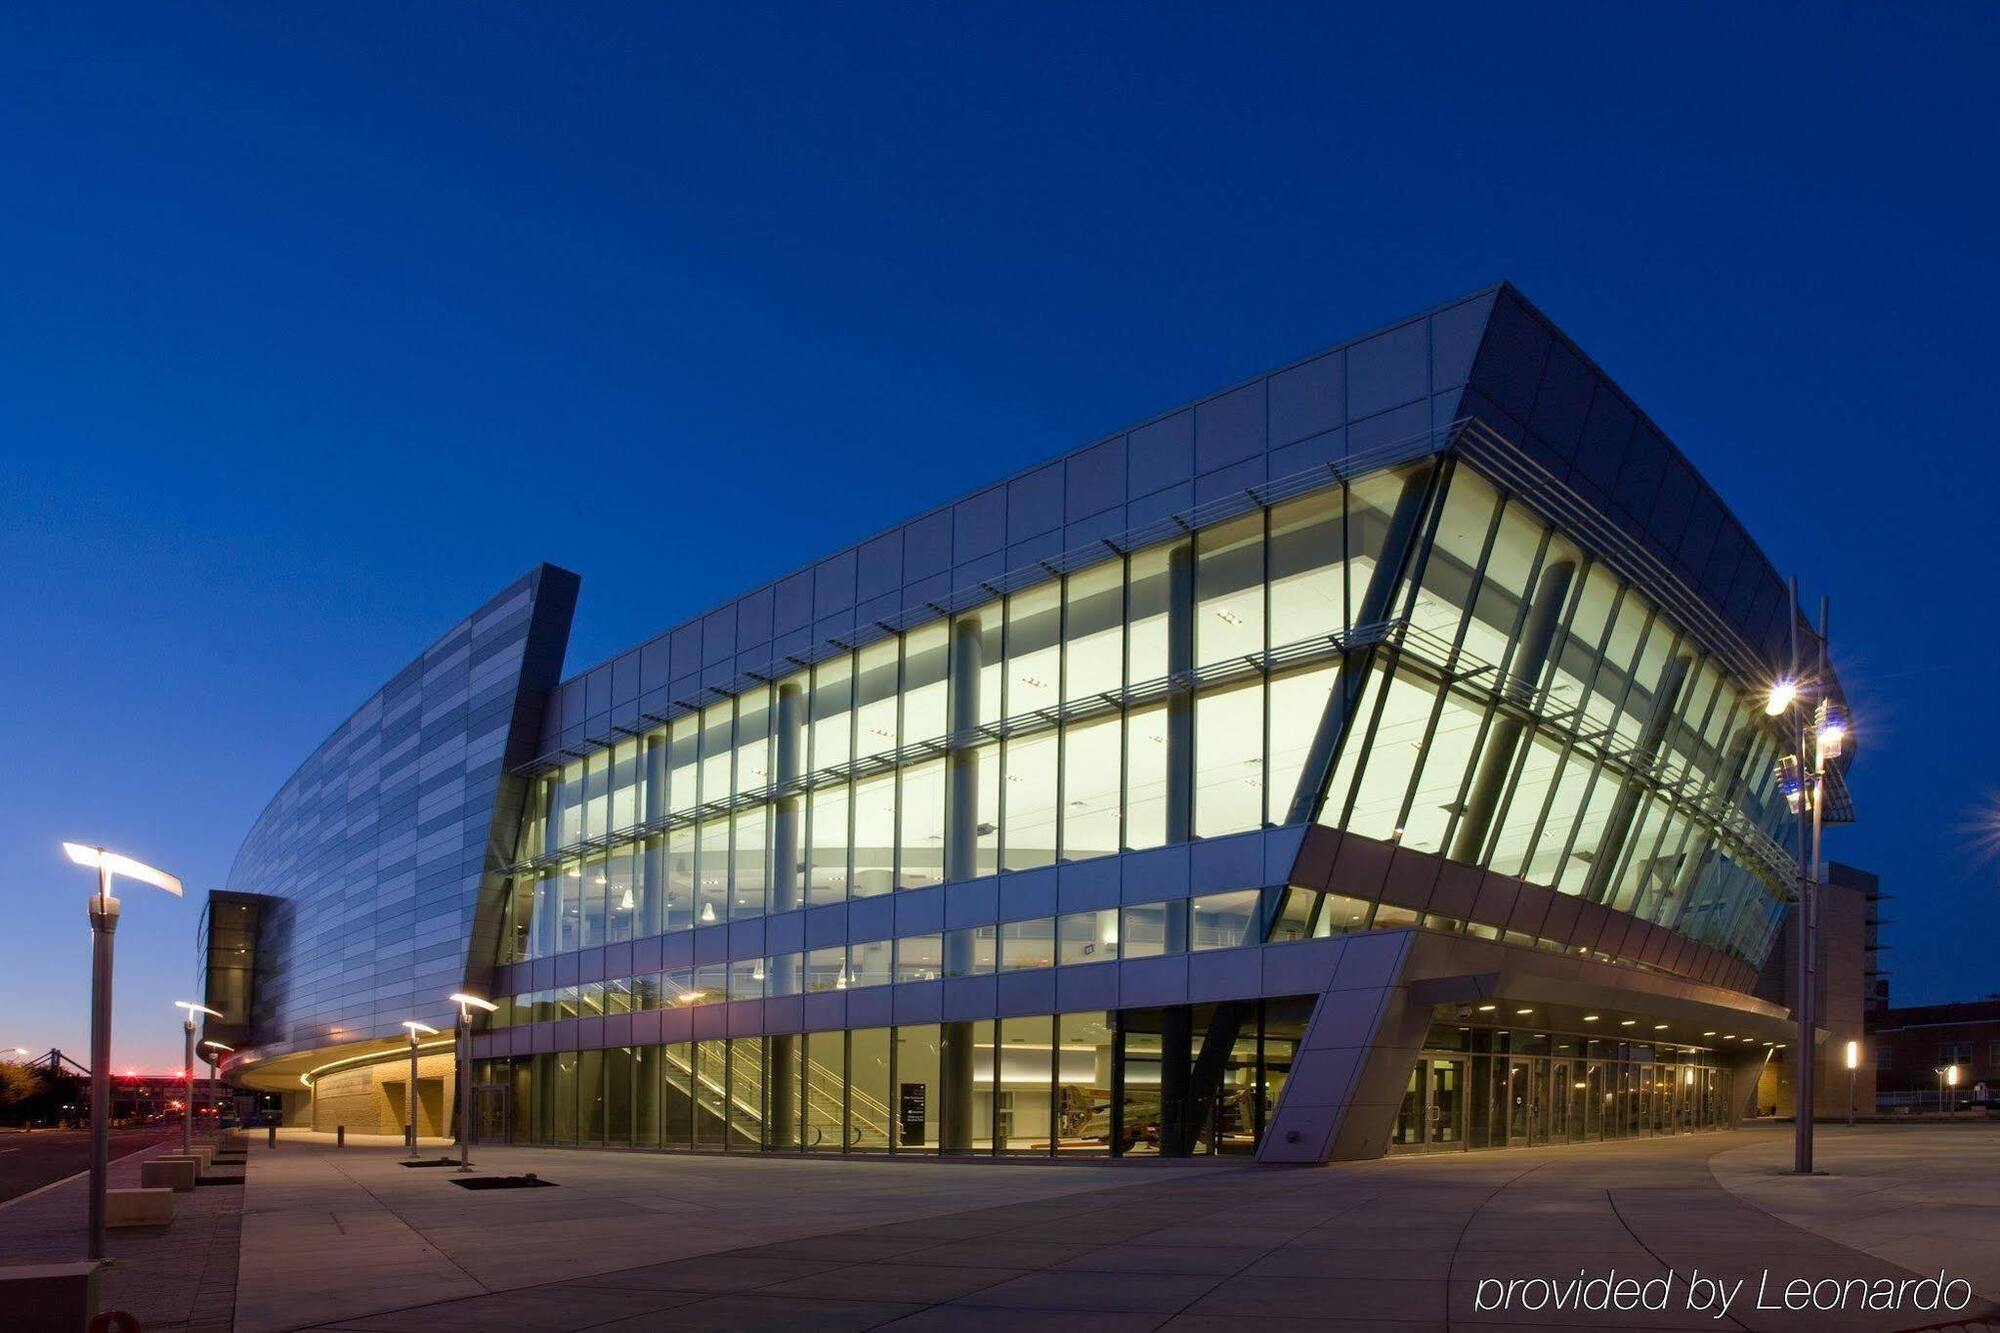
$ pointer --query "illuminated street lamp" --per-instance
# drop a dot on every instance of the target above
(1948, 1078)
(103, 923)
(466, 1004)
(216, 1050)
(410, 1099)
(1853, 1063)
(1819, 735)
(187, 1067)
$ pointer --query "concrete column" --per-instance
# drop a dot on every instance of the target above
(1176, 924)
(1538, 636)
(961, 821)
(961, 862)
(788, 820)
(955, 1067)
(1180, 697)
(656, 779)
(1176, 1061)
(781, 1116)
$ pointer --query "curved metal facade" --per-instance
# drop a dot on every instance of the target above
(371, 857)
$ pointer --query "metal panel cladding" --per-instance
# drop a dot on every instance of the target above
(376, 851)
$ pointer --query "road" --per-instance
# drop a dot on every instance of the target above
(30, 1161)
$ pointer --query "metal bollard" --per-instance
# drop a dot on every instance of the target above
(272, 1140)
(340, 1136)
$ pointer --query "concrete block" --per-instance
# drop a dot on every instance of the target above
(152, 1206)
(174, 1173)
(51, 1295)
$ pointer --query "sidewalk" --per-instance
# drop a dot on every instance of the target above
(1922, 1198)
(349, 1239)
(342, 1233)
(179, 1279)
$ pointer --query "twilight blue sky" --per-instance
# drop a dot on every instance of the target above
(319, 325)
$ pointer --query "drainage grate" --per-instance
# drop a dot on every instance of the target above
(527, 1182)
(433, 1161)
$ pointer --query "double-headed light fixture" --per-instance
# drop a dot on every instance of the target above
(1818, 735)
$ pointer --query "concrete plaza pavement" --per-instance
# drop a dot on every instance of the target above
(349, 1239)
(1923, 1198)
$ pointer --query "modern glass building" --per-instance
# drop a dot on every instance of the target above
(1366, 758)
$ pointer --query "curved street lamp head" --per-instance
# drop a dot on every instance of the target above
(113, 864)
(419, 1029)
(218, 1046)
(193, 1009)
(466, 1003)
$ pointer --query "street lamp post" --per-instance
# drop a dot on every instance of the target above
(1951, 1081)
(187, 1068)
(1802, 777)
(466, 1004)
(1853, 1063)
(216, 1050)
(103, 923)
(410, 1097)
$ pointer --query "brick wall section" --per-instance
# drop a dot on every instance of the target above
(368, 1099)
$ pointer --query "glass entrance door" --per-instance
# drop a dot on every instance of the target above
(1432, 1117)
(1521, 1103)
(492, 1107)
(1445, 1111)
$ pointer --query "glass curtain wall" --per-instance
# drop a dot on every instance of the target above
(1048, 1085)
(836, 782)
(1512, 704)
(1542, 719)
(1482, 1087)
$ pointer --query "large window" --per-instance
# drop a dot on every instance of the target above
(1513, 703)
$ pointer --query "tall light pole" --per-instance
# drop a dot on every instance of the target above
(1951, 1081)
(466, 1004)
(103, 923)
(1821, 724)
(417, 1030)
(187, 1068)
(216, 1050)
